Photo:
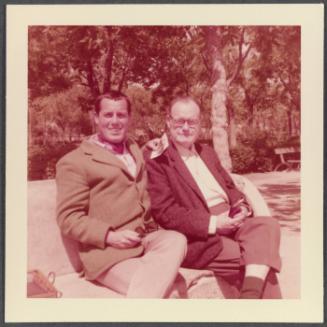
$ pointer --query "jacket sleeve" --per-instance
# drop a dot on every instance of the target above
(73, 195)
(168, 212)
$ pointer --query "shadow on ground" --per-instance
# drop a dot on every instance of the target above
(284, 203)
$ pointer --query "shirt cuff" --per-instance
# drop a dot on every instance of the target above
(212, 225)
(110, 229)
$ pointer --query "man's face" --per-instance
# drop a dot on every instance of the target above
(184, 123)
(113, 120)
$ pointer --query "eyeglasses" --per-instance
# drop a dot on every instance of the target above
(181, 122)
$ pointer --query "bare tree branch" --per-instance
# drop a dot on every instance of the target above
(122, 80)
(205, 62)
(92, 82)
(84, 84)
(241, 58)
(108, 66)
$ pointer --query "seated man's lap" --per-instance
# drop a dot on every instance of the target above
(163, 254)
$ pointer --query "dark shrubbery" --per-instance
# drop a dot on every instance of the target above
(254, 153)
(242, 158)
(42, 159)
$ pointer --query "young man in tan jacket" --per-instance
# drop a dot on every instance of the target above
(103, 204)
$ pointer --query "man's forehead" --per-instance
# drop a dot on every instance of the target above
(108, 104)
(185, 107)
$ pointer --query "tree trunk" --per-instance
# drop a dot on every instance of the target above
(232, 127)
(297, 123)
(122, 80)
(294, 123)
(218, 101)
(219, 123)
(250, 105)
(289, 123)
(108, 68)
(92, 82)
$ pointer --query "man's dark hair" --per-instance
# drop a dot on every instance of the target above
(112, 95)
(181, 99)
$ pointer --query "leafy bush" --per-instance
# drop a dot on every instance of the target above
(42, 159)
(242, 158)
(254, 153)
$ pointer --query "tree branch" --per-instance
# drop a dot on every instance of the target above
(84, 84)
(205, 62)
(125, 69)
(108, 67)
(91, 79)
(241, 58)
(122, 80)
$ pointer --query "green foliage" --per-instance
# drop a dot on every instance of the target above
(58, 117)
(70, 65)
(254, 153)
(148, 118)
(42, 160)
(242, 158)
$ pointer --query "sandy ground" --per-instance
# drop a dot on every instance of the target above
(282, 191)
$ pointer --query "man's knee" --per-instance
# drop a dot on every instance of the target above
(269, 229)
(272, 224)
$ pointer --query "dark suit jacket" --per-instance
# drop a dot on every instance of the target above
(177, 202)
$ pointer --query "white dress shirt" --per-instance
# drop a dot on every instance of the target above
(211, 190)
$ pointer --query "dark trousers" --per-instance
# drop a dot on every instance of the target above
(255, 242)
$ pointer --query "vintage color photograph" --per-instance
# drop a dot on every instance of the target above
(164, 162)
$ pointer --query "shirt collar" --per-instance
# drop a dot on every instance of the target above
(186, 153)
(107, 145)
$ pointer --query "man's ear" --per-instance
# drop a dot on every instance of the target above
(95, 117)
(168, 122)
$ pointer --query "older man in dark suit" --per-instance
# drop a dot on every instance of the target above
(192, 193)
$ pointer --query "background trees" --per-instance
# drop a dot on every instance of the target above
(246, 79)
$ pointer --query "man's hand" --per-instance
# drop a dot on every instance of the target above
(123, 239)
(227, 225)
(243, 213)
(155, 145)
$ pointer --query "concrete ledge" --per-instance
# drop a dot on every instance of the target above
(49, 252)
(190, 283)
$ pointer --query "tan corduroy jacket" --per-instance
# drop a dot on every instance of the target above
(95, 192)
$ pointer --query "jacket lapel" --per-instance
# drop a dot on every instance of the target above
(102, 155)
(210, 160)
(137, 155)
(178, 164)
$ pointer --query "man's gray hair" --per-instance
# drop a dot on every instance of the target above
(184, 99)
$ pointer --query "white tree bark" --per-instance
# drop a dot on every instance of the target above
(219, 117)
